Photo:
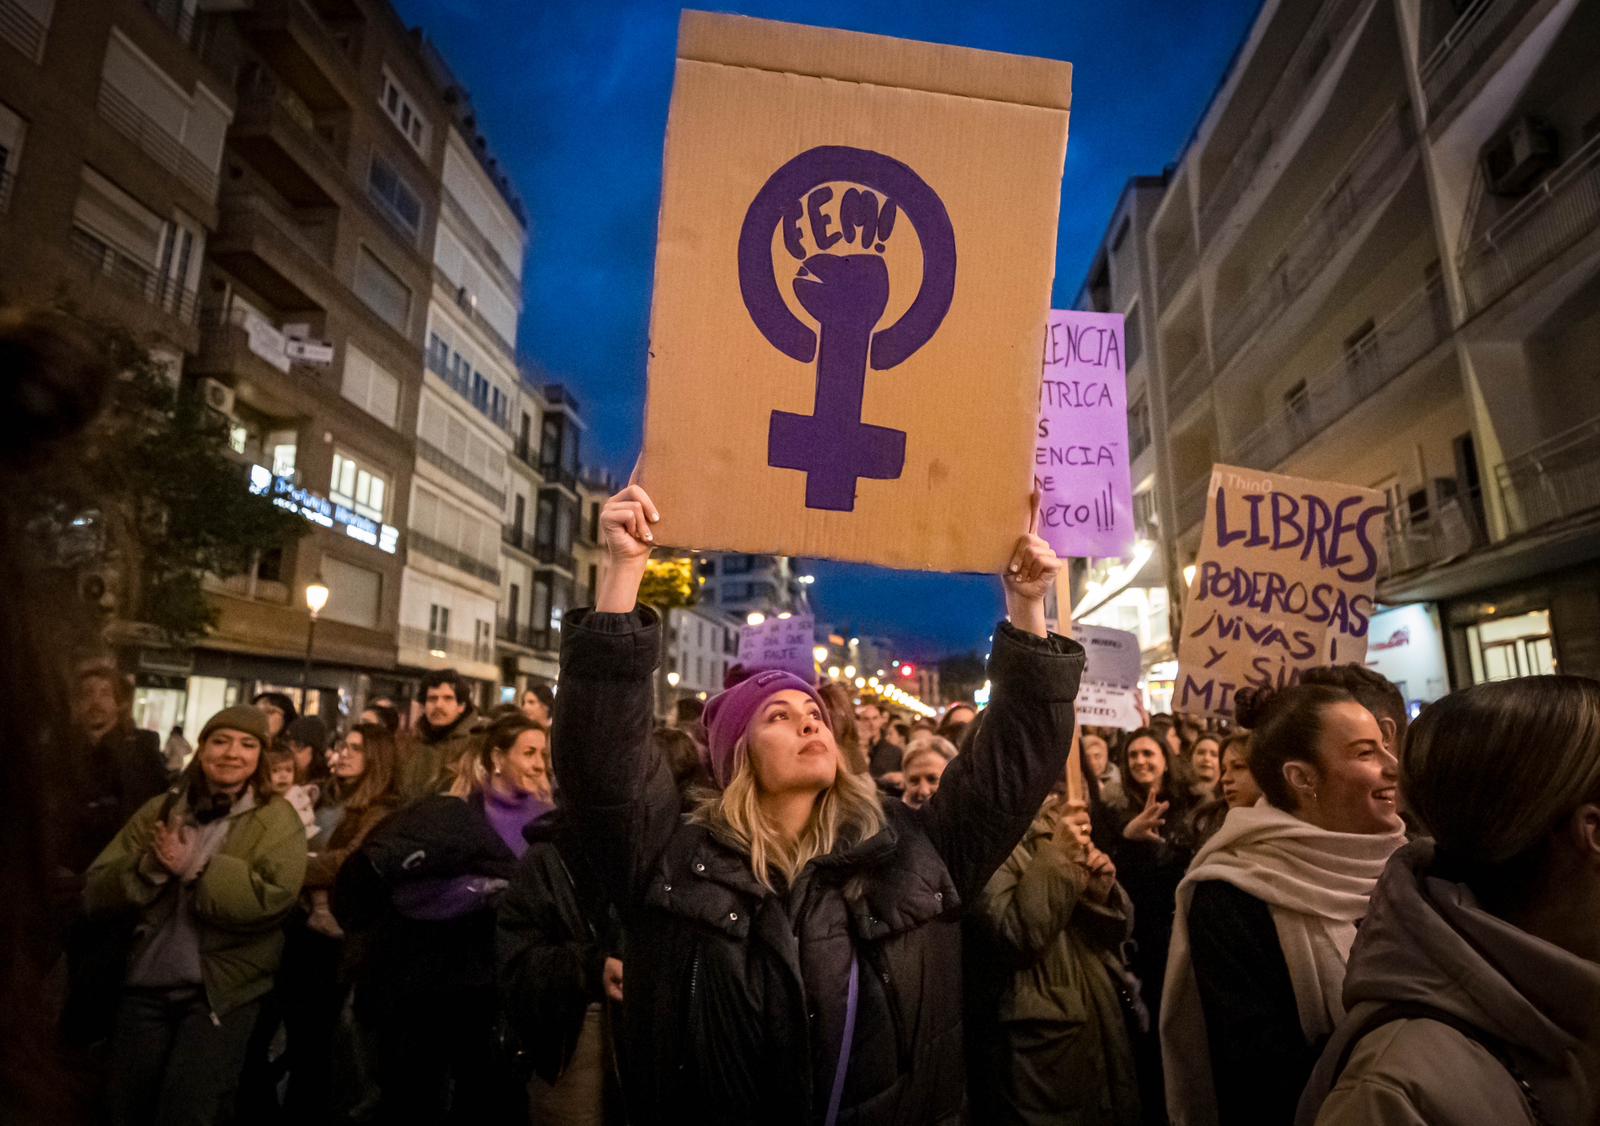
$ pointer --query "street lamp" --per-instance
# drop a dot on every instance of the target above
(672, 679)
(754, 618)
(820, 653)
(316, 599)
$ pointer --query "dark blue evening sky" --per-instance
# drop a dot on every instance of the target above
(573, 96)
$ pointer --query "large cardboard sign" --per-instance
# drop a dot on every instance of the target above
(780, 643)
(1080, 457)
(1108, 692)
(1284, 582)
(853, 269)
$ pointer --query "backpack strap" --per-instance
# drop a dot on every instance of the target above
(1417, 1010)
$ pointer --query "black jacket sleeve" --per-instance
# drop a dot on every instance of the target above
(621, 791)
(989, 796)
(1260, 1060)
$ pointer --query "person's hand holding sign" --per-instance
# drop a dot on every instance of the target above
(1146, 825)
(1030, 574)
(625, 533)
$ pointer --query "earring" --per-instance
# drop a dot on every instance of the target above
(497, 770)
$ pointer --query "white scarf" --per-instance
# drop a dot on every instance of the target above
(1317, 884)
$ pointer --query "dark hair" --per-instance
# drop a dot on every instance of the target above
(842, 718)
(1491, 811)
(121, 688)
(902, 729)
(951, 729)
(280, 701)
(502, 734)
(377, 781)
(688, 709)
(1285, 726)
(440, 678)
(679, 751)
(309, 730)
(1170, 790)
(387, 716)
(543, 694)
(1372, 690)
(276, 754)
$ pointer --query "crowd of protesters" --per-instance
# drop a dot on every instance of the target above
(788, 907)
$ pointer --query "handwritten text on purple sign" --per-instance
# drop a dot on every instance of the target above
(1080, 461)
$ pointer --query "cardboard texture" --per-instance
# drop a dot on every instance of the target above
(780, 643)
(853, 270)
(1080, 458)
(1285, 581)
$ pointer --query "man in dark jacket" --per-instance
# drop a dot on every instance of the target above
(443, 734)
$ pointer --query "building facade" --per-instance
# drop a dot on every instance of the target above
(744, 584)
(1378, 261)
(701, 644)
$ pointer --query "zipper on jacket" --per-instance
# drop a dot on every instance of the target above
(694, 987)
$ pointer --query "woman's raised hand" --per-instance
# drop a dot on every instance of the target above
(1146, 825)
(1030, 573)
(625, 533)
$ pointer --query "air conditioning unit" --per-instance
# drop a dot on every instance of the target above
(1523, 152)
(217, 395)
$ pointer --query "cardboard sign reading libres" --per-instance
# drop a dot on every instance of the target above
(853, 270)
(1285, 581)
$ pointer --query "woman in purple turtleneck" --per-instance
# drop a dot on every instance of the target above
(424, 890)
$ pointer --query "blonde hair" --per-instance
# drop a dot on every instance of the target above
(927, 744)
(845, 813)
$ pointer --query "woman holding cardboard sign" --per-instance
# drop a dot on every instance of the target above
(793, 948)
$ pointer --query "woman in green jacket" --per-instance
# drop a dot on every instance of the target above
(1047, 1036)
(207, 871)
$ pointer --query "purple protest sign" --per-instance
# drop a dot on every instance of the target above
(1080, 462)
(780, 643)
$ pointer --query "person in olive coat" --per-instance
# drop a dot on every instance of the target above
(800, 940)
(210, 870)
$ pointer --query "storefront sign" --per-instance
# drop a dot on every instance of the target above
(318, 509)
(309, 352)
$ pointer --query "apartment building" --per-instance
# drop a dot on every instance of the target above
(744, 584)
(468, 406)
(1378, 261)
(544, 526)
(701, 644)
(1132, 594)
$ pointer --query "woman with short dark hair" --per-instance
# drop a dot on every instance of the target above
(1268, 911)
(1475, 982)
(209, 869)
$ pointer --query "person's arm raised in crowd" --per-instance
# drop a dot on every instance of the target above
(622, 792)
(990, 794)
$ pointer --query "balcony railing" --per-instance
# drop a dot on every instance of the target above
(266, 97)
(1477, 30)
(518, 538)
(437, 458)
(1279, 109)
(1371, 173)
(1454, 529)
(558, 475)
(162, 147)
(1404, 337)
(1555, 479)
(1175, 271)
(129, 274)
(552, 556)
(514, 633)
(22, 29)
(1186, 387)
(441, 647)
(249, 210)
(453, 557)
(1560, 211)
(484, 249)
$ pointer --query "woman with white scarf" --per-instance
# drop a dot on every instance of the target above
(1268, 911)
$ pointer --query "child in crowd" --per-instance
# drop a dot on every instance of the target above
(280, 764)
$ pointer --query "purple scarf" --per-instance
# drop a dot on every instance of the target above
(509, 816)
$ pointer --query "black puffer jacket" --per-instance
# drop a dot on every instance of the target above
(736, 995)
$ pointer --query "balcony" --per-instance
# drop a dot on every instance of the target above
(277, 133)
(486, 251)
(131, 276)
(558, 475)
(1175, 271)
(513, 633)
(437, 458)
(466, 303)
(516, 538)
(22, 29)
(453, 557)
(1186, 387)
(1375, 170)
(1477, 32)
(1406, 336)
(443, 648)
(124, 115)
(290, 264)
(305, 51)
(1554, 480)
(549, 555)
(1455, 529)
(1321, 42)
(1553, 216)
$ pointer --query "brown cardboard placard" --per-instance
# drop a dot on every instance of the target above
(1285, 581)
(853, 270)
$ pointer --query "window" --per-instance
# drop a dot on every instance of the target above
(550, 443)
(438, 626)
(280, 448)
(382, 290)
(394, 196)
(1138, 427)
(369, 387)
(594, 523)
(355, 594)
(1134, 343)
(402, 110)
(480, 391)
(519, 516)
(513, 603)
(438, 355)
(483, 641)
(116, 229)
(358, 487)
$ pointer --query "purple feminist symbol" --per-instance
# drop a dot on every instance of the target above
(847, 294)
